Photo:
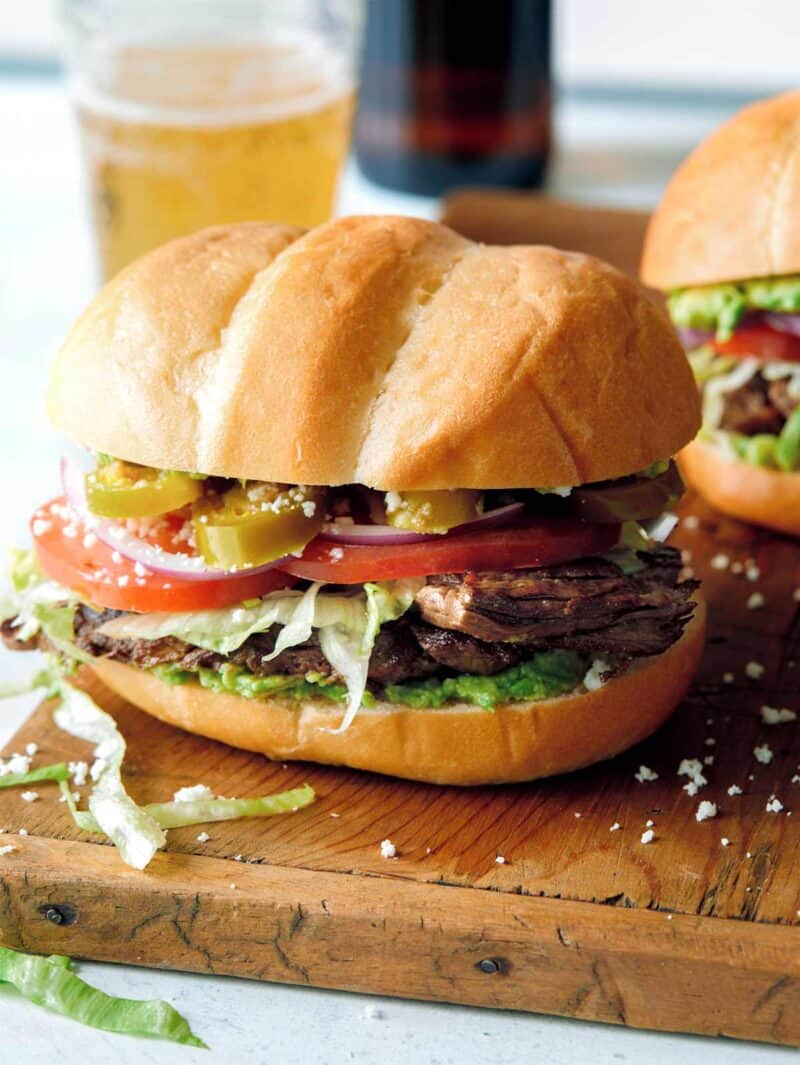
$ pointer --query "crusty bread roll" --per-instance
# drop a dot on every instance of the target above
(457, 744)
(751, 493)
(385, 351)
(732, 209)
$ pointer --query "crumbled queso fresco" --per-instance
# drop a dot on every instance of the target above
(705, 810)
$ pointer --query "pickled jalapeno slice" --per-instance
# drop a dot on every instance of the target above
(619, 502)
(432, 512)
(119, 489)
(257, 522)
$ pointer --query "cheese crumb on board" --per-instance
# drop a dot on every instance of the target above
(755, 601)
(754, 670)
(29, 796)
(615, 827)
(388, 849)
(646, 774)
(706, 810)
(199, 791)
(777, 715)
(78, 771)
(734, 789)
(763, 753)
(774, 805)
(203, 837)
(8, 849)
(648, 836)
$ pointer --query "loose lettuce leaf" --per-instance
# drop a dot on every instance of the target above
(51, 982)
(133, 831)
(207, 811)
(57, 772)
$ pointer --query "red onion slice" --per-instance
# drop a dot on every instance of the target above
(152, 558)
(376, 535)
(694, 338)
(782, 323)
(371, 534)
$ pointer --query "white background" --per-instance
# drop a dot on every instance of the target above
(728, 44)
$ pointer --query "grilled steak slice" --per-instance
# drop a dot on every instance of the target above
(465, 654)
(590, 605)
(752, 408)
(781, 397)
(8, 634)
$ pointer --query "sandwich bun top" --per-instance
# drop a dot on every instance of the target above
(385, 351)
(732, 209)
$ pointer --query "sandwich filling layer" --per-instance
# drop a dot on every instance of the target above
(481, 638)
(350, 594)
(743, 341)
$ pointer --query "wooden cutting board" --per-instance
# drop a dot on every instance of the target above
(683, 933)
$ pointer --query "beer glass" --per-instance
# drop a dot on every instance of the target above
(195, 112)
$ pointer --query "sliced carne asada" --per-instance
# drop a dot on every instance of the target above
(589, 605)
(749, 409)
(758, 406)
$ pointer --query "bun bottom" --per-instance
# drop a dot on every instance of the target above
(455, 745)
(741, 490)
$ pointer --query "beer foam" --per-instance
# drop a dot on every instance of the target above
(207, 86)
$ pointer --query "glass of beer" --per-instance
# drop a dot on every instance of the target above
(196, 112)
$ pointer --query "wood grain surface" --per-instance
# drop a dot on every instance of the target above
(683, 933)
(505, 217)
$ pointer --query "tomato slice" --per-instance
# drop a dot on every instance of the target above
(531, 542)
(81, 562)
(761, 342)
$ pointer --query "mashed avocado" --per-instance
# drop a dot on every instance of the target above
(720, 308)
(540, 677)
(238, 681)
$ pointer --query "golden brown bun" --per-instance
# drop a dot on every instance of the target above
(732, 209)
(751, 493)
(386, 351)
(456, 745)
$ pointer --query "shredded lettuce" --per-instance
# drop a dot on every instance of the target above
(137, 831)
(38, 604)
(131, 829)
(207, 811)
(57, 772)
(51, 982)
(348, 625)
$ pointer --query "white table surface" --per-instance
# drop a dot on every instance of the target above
(609, 155)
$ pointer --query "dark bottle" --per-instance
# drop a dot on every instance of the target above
(455, 92)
